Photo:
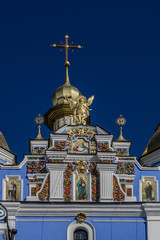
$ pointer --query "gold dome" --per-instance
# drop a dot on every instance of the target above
(64, 91)
(3, 142)
(154, 142)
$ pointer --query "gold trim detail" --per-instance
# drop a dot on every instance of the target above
(81, 217)
(81, 166)
(81, 132)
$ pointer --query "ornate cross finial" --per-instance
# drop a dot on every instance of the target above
(121, 121)
(39, 120)
(66, 47)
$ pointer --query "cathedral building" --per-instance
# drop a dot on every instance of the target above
(80, 183)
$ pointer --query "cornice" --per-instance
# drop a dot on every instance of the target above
(103, 137)
(7, 156)
(152, 209)
(150, 158)
(106, 167)
(28, 209)
(56, 167)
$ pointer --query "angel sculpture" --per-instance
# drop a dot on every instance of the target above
(80, 109)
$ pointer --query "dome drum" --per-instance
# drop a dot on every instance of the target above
(59, 116)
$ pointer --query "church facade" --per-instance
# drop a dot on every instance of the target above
(79, 183)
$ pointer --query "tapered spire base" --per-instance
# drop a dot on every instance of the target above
(39, 136)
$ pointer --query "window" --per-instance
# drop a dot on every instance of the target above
(80, 234)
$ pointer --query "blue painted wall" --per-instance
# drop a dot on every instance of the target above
(104, 230)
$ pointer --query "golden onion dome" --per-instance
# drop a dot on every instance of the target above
(3, 142)
(154, 142)
(66, 90)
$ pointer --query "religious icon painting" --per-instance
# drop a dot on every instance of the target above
(12, 188)
(149, 193)
(81, 187)
(80, 146)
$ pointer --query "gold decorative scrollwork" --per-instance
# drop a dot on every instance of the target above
(81, 217)
(93, 147)
(81, 166)
(81, 132)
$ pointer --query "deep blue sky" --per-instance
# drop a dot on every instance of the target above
(119, 64)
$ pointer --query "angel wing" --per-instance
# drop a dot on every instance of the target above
(72, 103)
(90, 100)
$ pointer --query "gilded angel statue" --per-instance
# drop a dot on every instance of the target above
(81, 109)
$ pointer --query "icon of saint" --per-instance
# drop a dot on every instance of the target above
(81, 189)
(12, 189)
(148, 190)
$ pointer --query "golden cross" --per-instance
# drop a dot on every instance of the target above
(66, 47)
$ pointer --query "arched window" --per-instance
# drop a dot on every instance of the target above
(80, 234)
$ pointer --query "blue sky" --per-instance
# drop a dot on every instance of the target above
(119, 64)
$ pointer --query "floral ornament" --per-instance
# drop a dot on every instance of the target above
(38, 182)
(36, 167)
(118, 195)
(129, 192)
(59, 146)
(95, 182)
(125, 168)
(106, 161)
(55, 161)
(39, 150)
(67, 184)
(104, 147)
(122, 151)
(120, 168)
(129, 168)
(44, 194)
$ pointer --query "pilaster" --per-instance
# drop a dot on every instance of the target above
(106, 181)
(56, 180)
(152, 211)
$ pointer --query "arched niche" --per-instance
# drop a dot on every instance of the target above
(87, 176)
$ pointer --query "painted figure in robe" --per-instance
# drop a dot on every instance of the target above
(81, 189)
(148, 190)
(12, 188)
